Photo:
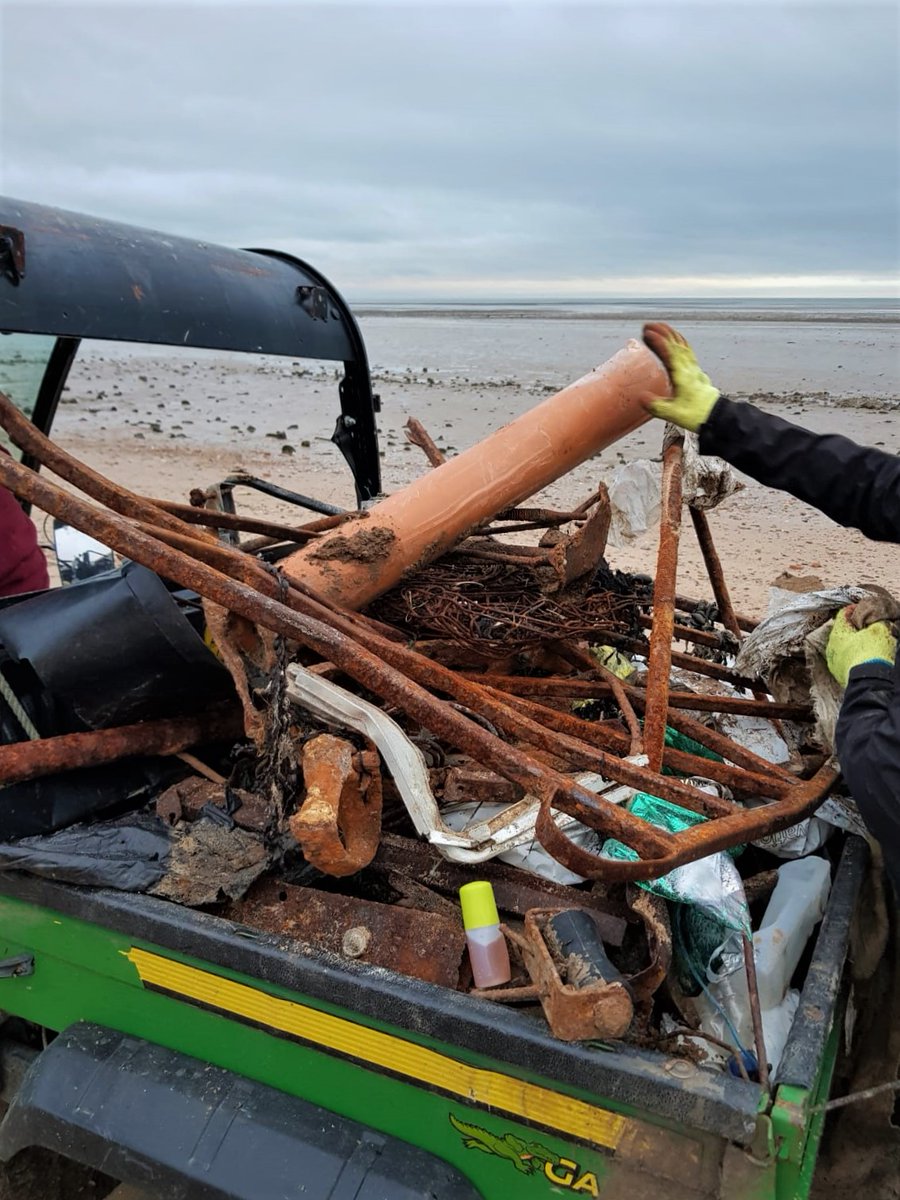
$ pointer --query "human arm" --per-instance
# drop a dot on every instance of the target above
(23, 567)
(868, 749)
(854, 485)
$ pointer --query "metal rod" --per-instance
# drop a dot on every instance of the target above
(418, 435)
(686, 633)
(659, 660)
(714, 570)
(225, 520)
(570, 687)
(22, 761)
(690, 662)
(755, 1013)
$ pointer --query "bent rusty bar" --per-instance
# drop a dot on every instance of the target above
(738, 779)
(223, 520)
(659, 660)
(691, 844)
(22, 761)
(29, 438)
(570, 687)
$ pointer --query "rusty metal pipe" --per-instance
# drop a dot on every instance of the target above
(29, 438)
(659, 660)
(23, 761)
(588, 689)
(714, 571)
(423, 521)
(738, 779)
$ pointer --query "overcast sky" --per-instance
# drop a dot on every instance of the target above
(486, 150)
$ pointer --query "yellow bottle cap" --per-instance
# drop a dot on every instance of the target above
(478, 905)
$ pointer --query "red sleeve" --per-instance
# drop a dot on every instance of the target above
(22, 564)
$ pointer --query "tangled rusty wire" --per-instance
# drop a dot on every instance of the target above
(501, 606)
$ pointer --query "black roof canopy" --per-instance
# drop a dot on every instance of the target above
(89, 278)
(76, 277)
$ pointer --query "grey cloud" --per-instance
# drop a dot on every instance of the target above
(509, 141)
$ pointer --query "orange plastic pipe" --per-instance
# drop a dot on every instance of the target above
(424, 520)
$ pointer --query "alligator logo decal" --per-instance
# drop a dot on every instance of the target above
(528, 1158)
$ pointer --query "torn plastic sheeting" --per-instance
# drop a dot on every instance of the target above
(712, 884)
(530, 855)
(634, 491)
(513, 826)
(705, 480)
(131, 857)
(756, 734)
(634, 497)
(787, 650)
(194, 864)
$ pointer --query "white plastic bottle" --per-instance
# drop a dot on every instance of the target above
(795, 908)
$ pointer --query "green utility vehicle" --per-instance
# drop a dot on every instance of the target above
(188, 1056)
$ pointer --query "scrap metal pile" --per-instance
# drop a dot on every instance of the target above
(420, 696)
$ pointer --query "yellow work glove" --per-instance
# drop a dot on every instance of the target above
(848, 647)
(693, 396)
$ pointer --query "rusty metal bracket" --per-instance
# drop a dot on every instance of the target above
(597, 1010)
(339, 823)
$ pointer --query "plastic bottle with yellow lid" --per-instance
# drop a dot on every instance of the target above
(487, 946)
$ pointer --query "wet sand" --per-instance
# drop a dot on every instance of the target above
(163, 425)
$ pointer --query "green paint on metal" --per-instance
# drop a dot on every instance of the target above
(82, 973)
(798, 1131)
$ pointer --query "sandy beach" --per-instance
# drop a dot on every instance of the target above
(164, 423)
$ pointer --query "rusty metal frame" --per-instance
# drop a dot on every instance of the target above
(406, 679)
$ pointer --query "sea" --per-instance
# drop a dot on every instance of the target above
(835, 348)
(829, 350)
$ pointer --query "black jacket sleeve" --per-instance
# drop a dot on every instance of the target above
(854, 485)
(868, 748)
(858, 487)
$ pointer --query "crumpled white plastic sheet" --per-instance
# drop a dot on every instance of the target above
(634, 490)
(705, 480)
(787, 650)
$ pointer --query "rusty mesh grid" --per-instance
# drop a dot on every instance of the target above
(503, 607)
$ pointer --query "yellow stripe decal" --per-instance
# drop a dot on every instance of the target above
(474, 1085)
